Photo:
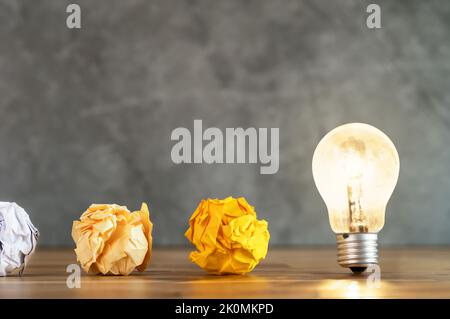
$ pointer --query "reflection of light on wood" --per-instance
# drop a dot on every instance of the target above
(349, 289)
(353, 290)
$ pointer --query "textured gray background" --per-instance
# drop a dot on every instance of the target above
(86, 115)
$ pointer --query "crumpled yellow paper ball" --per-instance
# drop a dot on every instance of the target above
(111, 240)
(228, 236)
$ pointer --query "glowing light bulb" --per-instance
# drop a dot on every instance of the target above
(355, 168)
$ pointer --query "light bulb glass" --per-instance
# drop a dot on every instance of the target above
(355, 168)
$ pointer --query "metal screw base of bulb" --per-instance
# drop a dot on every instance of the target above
(357, 250)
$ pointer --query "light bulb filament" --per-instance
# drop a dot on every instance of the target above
(357, 217)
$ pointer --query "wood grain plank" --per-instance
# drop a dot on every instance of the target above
(286, 273)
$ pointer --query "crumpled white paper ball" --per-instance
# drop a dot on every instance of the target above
(18, 238)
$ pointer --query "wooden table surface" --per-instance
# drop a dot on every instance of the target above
(285, 273)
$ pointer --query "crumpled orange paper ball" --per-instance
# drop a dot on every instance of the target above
(111, 240)
(228, 236)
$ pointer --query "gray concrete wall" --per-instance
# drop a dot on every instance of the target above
(86, 115)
